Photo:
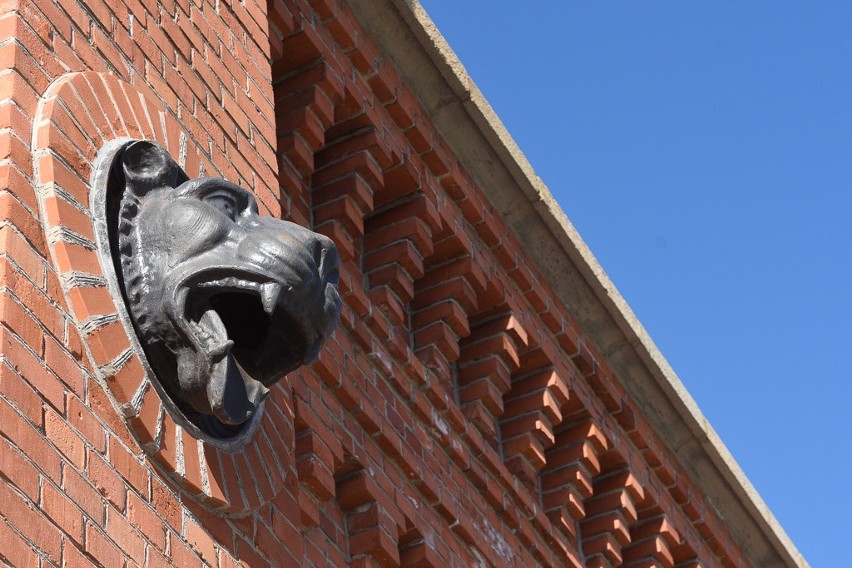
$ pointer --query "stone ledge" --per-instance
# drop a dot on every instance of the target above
(469, 125)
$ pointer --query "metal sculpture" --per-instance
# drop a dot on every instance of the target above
(224, 302)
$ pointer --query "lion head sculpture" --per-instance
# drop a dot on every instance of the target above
(224, 302)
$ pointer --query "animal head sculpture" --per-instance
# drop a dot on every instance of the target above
(224, 302)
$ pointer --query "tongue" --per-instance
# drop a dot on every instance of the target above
(233, 395)
(217, 344)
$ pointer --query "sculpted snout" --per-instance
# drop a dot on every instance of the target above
(295, 252)
(306, 266)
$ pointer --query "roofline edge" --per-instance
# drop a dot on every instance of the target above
(407, 36)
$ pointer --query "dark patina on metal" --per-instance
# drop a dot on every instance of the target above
(224, 302)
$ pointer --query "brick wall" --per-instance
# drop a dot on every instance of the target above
(457, 417)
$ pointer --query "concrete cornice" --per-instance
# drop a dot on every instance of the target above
(409, 39)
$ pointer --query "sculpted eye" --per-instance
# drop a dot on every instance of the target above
(225, 203)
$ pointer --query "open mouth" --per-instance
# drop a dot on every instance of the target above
(249, 320)
(249, 338)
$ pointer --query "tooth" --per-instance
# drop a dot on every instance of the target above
(221, 350)
(211, 326)
(269, 293)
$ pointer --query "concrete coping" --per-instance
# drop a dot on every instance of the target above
(410, 40)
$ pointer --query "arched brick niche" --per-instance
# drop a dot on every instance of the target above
(80, 117)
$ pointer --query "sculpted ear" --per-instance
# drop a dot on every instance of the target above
(147, 166)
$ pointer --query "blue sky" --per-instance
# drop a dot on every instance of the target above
(704, 153)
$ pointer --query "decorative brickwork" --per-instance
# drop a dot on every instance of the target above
(75, 130)
(460, 415)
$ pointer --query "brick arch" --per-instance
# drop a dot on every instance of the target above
(79, 117)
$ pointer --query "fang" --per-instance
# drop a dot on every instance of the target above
(269, 293)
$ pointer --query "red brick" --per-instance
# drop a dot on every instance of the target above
(75, 257)
(19, 186)
(166, 503)
(63, 512)
(272, 461)
(197, 537)
(169, 450)
(192, 464)
(309, 512)
(21, 322)
(101, 548)
(146, 423)
(81, 492)
(125, 535)
(315, 475)
(248, 557)
(73, 557)
(107, 342)
(378, 544)
(275, 546)
(156, 559)
(15, 549)
(34, 302)
(58, 431)
(23, 219)
(180, 554)
(115, 423)
(257, 466)
(217, 493)
(18, 470)
(30, 521)
(88, 301)
(126, 381)
(106, 480)
(21, 394)
(30, 441)
(81, 418)
(22, 253)
(251, 491)
(146, 519)
(65, 366)
(356, 490)
(377, 400)
(133, 470)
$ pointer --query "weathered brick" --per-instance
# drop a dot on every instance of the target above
(16, 550)
(318, 123)
(30, 521)
(146, 519)
(63, 512)
(60, 434)
(101, 548)
(106, 480)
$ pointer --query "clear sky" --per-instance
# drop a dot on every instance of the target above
(704, 152)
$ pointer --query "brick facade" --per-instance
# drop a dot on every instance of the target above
(460, 416)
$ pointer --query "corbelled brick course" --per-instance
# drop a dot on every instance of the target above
(457, 417)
